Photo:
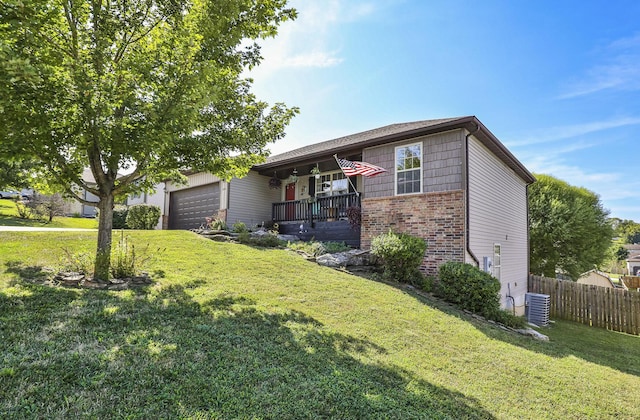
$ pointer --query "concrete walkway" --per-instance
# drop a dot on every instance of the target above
(42, 229)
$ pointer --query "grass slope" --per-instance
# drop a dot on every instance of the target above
(230, 331)
(9, 217)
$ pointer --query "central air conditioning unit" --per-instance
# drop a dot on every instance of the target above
(537, 308)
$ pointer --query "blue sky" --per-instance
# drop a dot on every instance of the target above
(558, 82)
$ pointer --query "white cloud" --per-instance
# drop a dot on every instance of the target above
(311, 41)
(620, 70)
(554, 134)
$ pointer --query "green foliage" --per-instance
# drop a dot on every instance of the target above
(77, 262)
(216, 224)
(469, 288)
(23, 210)
(126, 261)
(568, 228)
(508, 319)
(240, 227)
(120, 216)
(143, 216)
(148, 86)
(316, 248)
(401, 255)
(234, 332)
(265, 241)
(627, 230)
(333, 247)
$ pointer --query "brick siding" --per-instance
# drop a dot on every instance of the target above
(436, 217)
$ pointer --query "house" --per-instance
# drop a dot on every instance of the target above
(633, 260)
(596, 278)
(74, 207)
(449, 181)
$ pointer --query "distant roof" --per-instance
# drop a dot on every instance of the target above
(397, 132)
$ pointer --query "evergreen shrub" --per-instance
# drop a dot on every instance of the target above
(401, 256)
(120, 217)
(469, 288)
(143, 216)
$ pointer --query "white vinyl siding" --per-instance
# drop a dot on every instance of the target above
(498, 215)
(250, 199)
(409, 169)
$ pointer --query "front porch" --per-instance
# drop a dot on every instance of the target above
(318, 209)
(322, 219)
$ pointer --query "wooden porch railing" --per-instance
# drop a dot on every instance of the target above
(321, 209)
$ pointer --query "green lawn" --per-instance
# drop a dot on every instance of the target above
(9, 217)
(229, 331)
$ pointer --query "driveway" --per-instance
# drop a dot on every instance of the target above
(42, 229)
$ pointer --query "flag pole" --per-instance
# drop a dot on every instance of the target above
(335, 156)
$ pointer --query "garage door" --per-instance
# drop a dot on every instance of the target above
(189, 208)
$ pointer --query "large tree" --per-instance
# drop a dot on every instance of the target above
(568, 227)
(146, 87)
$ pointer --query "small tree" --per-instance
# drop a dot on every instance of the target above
(151, 87)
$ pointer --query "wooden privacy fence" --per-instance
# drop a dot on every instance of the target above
(613, 309)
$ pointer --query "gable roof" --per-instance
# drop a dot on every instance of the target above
(397, 132)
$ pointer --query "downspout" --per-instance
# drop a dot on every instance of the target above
(466, 152)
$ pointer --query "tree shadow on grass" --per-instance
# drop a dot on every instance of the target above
(160, 353)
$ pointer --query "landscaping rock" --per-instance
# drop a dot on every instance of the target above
(218, 237)
(69, 279)
(351, 258)
(533, 333)
(339, 259)
(94, 284)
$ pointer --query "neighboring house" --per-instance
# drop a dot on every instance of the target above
(633, 260)
(448, 181)
(84, 210)
(596, 278)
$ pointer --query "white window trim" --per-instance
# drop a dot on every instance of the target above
(497, 266)
(395, 163)
(330, 173)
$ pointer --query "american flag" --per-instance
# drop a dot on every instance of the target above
(351, 168)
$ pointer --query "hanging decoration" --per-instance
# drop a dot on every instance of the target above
(294, 176)
(315, 171)
(275, 183)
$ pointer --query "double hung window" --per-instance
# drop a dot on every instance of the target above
(409, 169)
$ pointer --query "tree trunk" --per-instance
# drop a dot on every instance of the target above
(105, 227)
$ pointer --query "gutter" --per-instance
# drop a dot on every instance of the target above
(466, 153)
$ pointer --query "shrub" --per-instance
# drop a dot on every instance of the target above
(509, 319)
(23, 210)
(401, 256)
(266, 241)
(120, 217)
(143, 216)
(240, 227)
(469, 288)
(216, 224)
(334, 247)
(126, 261)
(80, 262)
